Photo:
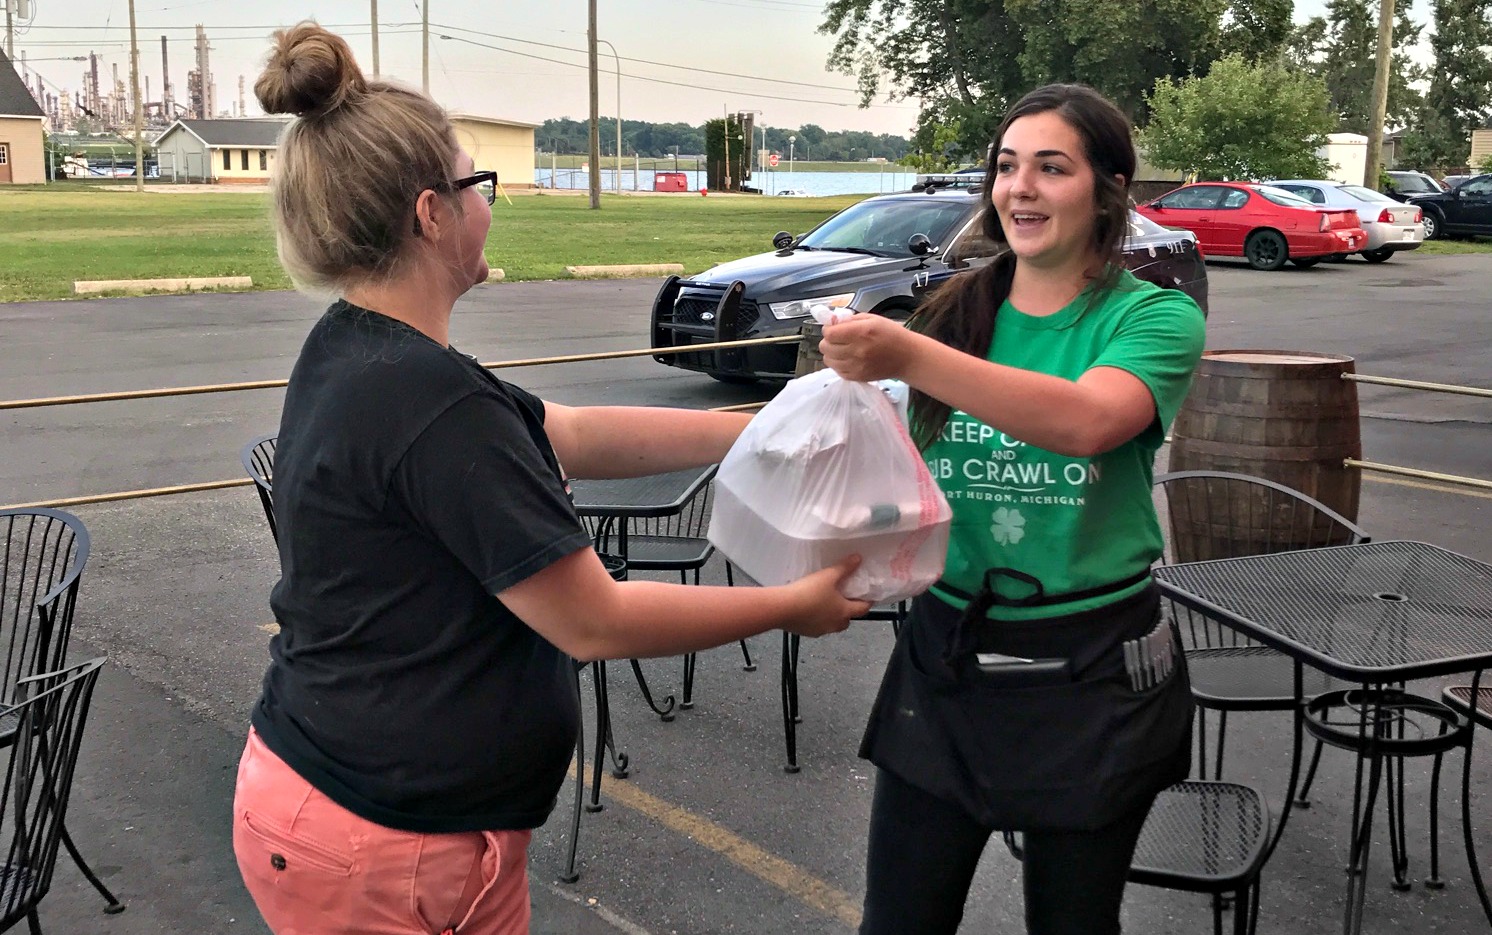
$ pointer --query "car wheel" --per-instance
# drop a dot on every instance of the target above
(1266, 250)
(735, 379)
(1306, 262)
(1432, 225)
(1377, 256)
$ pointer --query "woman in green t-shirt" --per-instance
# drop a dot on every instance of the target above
(1034, 687)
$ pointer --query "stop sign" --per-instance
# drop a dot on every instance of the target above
(772, 160)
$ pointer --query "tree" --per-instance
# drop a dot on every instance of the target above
(936, 148)
(1257, 29)
(716, 170)
(1241, 121)
(1460, 86)
(1342, 49)
(1118, 48)
(968, 60)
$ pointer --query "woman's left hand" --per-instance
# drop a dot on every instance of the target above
(868, 347)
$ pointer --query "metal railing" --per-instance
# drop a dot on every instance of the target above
(165, 392)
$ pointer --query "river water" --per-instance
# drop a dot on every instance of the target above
(771, 181)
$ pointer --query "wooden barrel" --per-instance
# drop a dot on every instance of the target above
(1286, 416)
(809, 358)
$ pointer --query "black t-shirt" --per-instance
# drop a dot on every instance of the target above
(410, 486)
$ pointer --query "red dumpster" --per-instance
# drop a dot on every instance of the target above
(670, 181)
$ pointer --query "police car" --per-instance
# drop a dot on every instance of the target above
(883, 255)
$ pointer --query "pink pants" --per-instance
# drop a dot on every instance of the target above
(314, 868)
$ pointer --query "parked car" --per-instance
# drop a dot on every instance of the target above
(1465, 209)
(1264, 225)
(1402, 184)
(793, 193)
(1451, 181)
(1390, 225)
(883, 255)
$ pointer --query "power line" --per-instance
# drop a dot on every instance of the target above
(677, 84)
(661, 64)
(778, 6)
(642, 61)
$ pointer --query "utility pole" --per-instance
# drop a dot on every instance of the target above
(595, 111)
(10, 31)
(726, 136)
(138, 105)
(425, 47)
(1380, 92)
(375, 38)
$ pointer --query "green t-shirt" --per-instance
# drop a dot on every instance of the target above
(1072, 523)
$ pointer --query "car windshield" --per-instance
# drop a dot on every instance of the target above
(884, 227)
(1412, 182)
(1281, 197)
(1366, 194)
(1141, 226)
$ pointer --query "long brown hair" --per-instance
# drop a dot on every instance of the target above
(961, 313)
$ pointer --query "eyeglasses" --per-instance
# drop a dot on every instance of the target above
(486, 183)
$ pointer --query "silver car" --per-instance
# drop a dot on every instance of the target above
(1391, 226)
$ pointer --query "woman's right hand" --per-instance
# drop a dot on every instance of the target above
(826, 610)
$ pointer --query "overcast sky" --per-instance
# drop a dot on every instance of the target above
(682, 60)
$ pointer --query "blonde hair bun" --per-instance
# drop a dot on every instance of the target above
(310, 72)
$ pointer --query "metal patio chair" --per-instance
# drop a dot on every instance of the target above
(895, 614)
(676, 543)
(1458, 698)
(1202, 836)
(1214, 514)
(49, 718)
(258, 458)
(42, 556)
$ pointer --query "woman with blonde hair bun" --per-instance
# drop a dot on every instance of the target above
(420, 706)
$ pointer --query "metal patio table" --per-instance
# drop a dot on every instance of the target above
(1377, 614)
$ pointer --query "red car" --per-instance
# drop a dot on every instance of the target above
(1264, 225)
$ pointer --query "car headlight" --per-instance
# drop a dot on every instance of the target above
(799, 308)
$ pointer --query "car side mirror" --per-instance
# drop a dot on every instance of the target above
(782, 240)
(919, 245)
(1157, 207)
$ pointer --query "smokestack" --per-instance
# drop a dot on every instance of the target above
(90, 96)
(166, 107)
(204, 75)
(241, 111)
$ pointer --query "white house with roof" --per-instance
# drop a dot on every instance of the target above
(239, 150)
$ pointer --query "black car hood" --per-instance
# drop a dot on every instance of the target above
(767, 274)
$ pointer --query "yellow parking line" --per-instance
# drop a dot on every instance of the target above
(1421, 485)
(765, 866)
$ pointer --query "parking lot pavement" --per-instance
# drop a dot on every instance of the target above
(150, 812)
(708, 834)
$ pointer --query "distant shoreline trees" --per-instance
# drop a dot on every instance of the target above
(661, 140)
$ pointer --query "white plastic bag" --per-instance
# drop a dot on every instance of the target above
(824, 471)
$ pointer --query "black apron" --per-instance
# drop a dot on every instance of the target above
(1072, 756)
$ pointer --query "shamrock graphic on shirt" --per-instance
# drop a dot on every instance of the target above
(1009, 526)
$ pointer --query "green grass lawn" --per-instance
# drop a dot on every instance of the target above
(52, 236)
(1469, 245)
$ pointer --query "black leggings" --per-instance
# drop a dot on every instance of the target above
(923, 852)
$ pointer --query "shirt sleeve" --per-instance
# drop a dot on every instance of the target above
(477, 481)
(1159, 341)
